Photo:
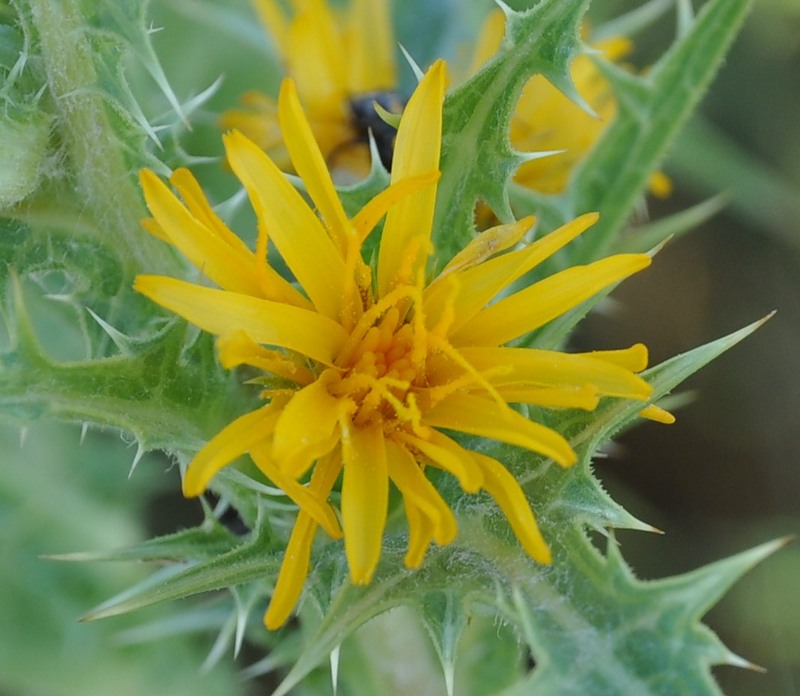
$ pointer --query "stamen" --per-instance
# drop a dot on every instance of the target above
(471, 376)
(367, 320)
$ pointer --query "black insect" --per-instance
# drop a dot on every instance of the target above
(366, 119)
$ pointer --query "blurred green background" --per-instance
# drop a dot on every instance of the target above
(723, 478)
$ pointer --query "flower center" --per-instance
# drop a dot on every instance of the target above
(381, 372)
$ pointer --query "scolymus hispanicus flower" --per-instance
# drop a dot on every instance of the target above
(388, 362)
(342, 62)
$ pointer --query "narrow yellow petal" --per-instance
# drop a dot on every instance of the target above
(634, 358)
(298, 551)
(272, 17)
(239, 349)
(307, 427)
(420, 493)
(151, 225)
(371, 47)
(230, 267)
(657, 414)
(538, 304)
(293, 573)
(271, 285)
(474, 415)
(258, 120)
(365, 499)
(417, 149)
(315, 57)
(444, 453)
(195, 200)
(310, 165)
(317, 508)
(527, 366)
(231, 442)
(296, 232)
(487, 244)
(271, 323)
(479, 284)
(583, 397)
(660, 185)
(372, 212)
(420, 534)
(504, 488)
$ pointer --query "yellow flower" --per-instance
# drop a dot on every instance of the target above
(545, 120)
(341, 64)
(368, 371)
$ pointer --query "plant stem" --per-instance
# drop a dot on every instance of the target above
(102, 178)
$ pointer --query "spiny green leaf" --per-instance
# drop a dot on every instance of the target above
(477, 159)
(652, 110)
(595, 629)
(253, 560)
(444, 616)
(198, 543)
(657, 232)
(163, 401)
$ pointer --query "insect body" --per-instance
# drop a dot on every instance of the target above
(365, 119)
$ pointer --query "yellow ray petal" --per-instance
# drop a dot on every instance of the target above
(419, 492)
(584, 397)
(417, 148)
(296, 232)
(657, 414)
(660, 185)
(307, 427)
(474, 415)
(479, 284)
(272, 17)
(634, 358)
(310, 165)
(195, 200)
(372, 212)
(239, 263)
(444, 453)
(229, 267)
(371, 47)
(315, 56)
(295, 560)
(317, 508)
(534, 306)
(258, 120)
(231, 442)
(487, 244)
(420, 535)
(365, 499)
(271, 323)
(293, 573)
(239, 349)
(151, 225)
(503, 487)
(527, 366)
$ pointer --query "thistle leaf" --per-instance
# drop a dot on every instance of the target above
(477, 159)
(652, 109)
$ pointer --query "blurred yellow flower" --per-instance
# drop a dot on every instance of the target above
(367, 369)
(341, 64)
(545, 120)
